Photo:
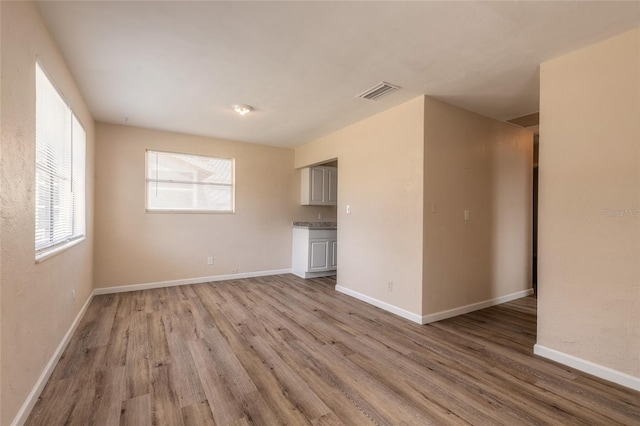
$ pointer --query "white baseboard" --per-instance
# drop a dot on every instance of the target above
(306, 275)
(438, 316)
(426, 319)
(198, 280)
(33, 396)
(380, 304)
(589, 367)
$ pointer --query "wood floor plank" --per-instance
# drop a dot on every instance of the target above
(224, 407)
(158, 300)
(226, 362)
(201, 317)
(164, 402)
(294, 388)
(257, 411)
(136, 411)
(350, 407)
(198, 414)
(262, 375)
(110, 387)
(54, 405)
(158, 345)
(383, 400)
(116, 352)
(105, 311)
(137, 365)
(433, 390)
(184, 375)
(84, 407)
(87, 350)
(282, 350)
(178, 317)
(279, 338)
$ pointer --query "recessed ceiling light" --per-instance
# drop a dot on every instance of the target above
(242, 109)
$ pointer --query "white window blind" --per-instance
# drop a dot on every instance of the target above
(60, 169)
(189, 183)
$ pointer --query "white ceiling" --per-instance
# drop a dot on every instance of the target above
(179, 66)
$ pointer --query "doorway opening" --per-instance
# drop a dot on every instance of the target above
(532, 122)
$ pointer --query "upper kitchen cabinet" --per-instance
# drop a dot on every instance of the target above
(319, 186)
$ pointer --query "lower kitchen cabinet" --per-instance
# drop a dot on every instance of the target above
(314, 252)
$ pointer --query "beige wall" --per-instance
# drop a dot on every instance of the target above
(136, 247)
(589, 235)
(392, 167)
(380, 177)
(1, 185)
(37, 306)
(478, 164)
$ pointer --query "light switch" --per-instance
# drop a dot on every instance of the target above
(348, 208)
(466, 215)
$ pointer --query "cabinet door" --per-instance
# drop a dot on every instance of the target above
(334, 254)
(319, 255)
(332, 186)
(316, 190)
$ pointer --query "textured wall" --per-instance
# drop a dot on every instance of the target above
(589, 234)
(478, 164)
(380, 166)
(392, 166)
(136, 247)
(37, 306)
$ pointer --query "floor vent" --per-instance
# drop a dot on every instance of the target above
(378, 91)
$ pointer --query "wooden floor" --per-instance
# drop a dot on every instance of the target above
(281, 350)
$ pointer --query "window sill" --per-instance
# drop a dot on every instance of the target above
(191, 211)
(46, 254)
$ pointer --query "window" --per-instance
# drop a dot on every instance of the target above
(189, 183)
(60, 171)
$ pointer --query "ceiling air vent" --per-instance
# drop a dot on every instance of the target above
(378, 91)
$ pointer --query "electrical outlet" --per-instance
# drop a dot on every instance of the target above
(320, 216)
(73, 294)
(348, 208)
(210, 260)
(390, 286)
(466, 215)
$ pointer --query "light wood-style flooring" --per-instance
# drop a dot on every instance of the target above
(281, 350)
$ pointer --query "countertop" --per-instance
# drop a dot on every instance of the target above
(316, 225)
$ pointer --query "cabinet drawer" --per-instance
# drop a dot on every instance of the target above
(322, 233)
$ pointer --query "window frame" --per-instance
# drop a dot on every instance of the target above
(54, 248)
(147, 180)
